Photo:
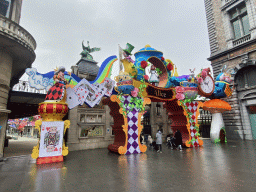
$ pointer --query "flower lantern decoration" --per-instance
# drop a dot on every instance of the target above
(180, 93)
(143, 64)
(170, 66)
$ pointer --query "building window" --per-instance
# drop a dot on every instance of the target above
(99, 119)
(5, 7)
(239, 21)
(146, 119)
(82, 118)
(91, 118)
(246, 77)
(92, 131)
(91, 125)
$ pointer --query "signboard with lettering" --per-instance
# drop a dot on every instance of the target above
(161, 94)
(156, 93)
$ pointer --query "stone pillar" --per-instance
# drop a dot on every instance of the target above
(3, 122)
(165, 123)
(153, 118)
(31, 131)
(108, 127)
(5, 76)
(233, 118)
(73, 131)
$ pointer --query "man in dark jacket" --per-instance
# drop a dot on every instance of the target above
(178, 139)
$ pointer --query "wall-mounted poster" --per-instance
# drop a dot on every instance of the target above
(51, 138)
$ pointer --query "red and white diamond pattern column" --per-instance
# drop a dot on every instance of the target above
(191, 109)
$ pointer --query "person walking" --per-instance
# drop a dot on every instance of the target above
(178, 139)
(159, 141)
(146, 139)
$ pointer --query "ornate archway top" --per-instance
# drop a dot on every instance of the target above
(251, 62)
(251, 94)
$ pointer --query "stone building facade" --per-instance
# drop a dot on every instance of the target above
(158, 120)
(232, 36)
(90, 128)
(16, 54)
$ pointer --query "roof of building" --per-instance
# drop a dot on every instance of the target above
(88, 67)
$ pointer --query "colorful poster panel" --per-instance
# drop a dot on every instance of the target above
(101, 90)
(82, 91)
(51, 138)
(72, 99)
(109, 85)
(93, 96)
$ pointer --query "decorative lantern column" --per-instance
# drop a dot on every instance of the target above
(132, 126)
(51, 146)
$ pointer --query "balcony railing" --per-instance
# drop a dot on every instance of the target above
(23, 86)
(242, 40)
(227, 3)
(15, 30)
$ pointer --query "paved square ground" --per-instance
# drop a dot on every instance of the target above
(213, 167)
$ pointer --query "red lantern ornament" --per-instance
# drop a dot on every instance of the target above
(143, 64)
(162, 58)
(146, 77)
(170, 67)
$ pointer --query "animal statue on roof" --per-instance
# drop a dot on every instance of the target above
(87, 50)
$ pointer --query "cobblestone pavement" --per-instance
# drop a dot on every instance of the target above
(214, 167)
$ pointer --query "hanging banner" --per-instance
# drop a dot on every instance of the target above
(51, 138)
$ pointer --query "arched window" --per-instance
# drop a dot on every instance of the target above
(158, 109)
(5, 7)
(146, 118)
(246, 78)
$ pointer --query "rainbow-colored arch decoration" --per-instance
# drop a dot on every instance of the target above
(105, 69)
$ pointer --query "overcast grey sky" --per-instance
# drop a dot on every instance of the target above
(176, 27)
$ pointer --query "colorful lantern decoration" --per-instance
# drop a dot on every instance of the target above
(134, 89)
(222, 85)
(170, 88)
